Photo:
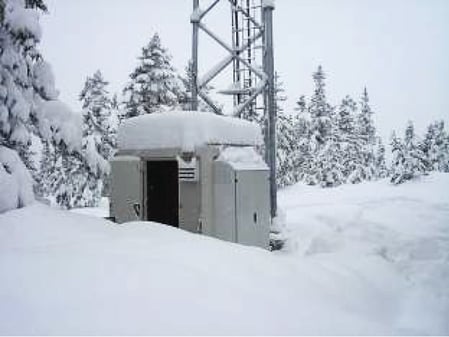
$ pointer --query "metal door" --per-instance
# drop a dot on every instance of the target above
(126, 188)
(252, 207)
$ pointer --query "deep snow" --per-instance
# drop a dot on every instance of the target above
(361, 259)
(185, 130)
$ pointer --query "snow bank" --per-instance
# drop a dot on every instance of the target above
(185, 130)
(405, 227)
(58, 120)
(243, 158)
(367, 259)
(16, 184)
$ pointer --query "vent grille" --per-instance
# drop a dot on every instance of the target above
(187, 173)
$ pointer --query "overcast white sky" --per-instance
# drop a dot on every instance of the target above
(399, 49)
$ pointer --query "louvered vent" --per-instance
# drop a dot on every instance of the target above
(188, 171)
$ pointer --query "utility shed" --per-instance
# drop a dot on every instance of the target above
(194, 170)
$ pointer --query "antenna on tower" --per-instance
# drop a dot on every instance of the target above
(251, 55)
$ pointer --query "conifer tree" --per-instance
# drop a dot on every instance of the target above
(97, 142)
(441, 147)
(25, 78)
(398, 169)
(285, 140)
(320, 110)
(381, 167)
(303, 156)
(408, 158)
(366, 133)
(349, 144)
(154, 84)
(430, 148)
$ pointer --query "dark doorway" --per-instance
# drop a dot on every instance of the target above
(162, 192)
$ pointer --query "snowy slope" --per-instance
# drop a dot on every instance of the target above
(364, 259)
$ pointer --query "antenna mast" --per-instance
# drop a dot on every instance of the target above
(251, 55)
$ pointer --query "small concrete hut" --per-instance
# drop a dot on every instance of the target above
(193, 170)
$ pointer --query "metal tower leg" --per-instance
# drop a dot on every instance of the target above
(194, 85)
(270, 105)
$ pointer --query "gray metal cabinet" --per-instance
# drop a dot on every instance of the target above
(241, 204)
(127, 188)
(224, 202)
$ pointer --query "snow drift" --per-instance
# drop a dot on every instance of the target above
(363, 259)
(16, 184)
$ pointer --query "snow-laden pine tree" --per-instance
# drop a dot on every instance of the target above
(303, 154)
(436, 147)
(113, 124)
(408, 158)
(380, 163)
(414, 151)
(349, 144)
(286, 141)
(398, 172)
(430, 148)
(26, 79)
(98, 142)
(320, 110)
(154, 85)
(366, 133)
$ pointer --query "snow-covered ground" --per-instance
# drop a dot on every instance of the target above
(102, 211)
(361, 259)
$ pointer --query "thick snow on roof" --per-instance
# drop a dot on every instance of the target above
(185, 130)
(243, 158)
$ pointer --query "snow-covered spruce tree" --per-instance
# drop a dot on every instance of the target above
(62, 142)
(286, 141)
(303, 151)
(349, 144)
(25, 78)
(366, 133)
(113, 123)
(398, 160)
(443, 140)
(154, 84)
(98, 142)
(73, 187)
(380, 163)
(320, 112)
(408, 159)
(436, 147)
(414, 151)
(429, 148)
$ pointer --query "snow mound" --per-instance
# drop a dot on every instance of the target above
(242, 158)
(185, 130)
(16, 184)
